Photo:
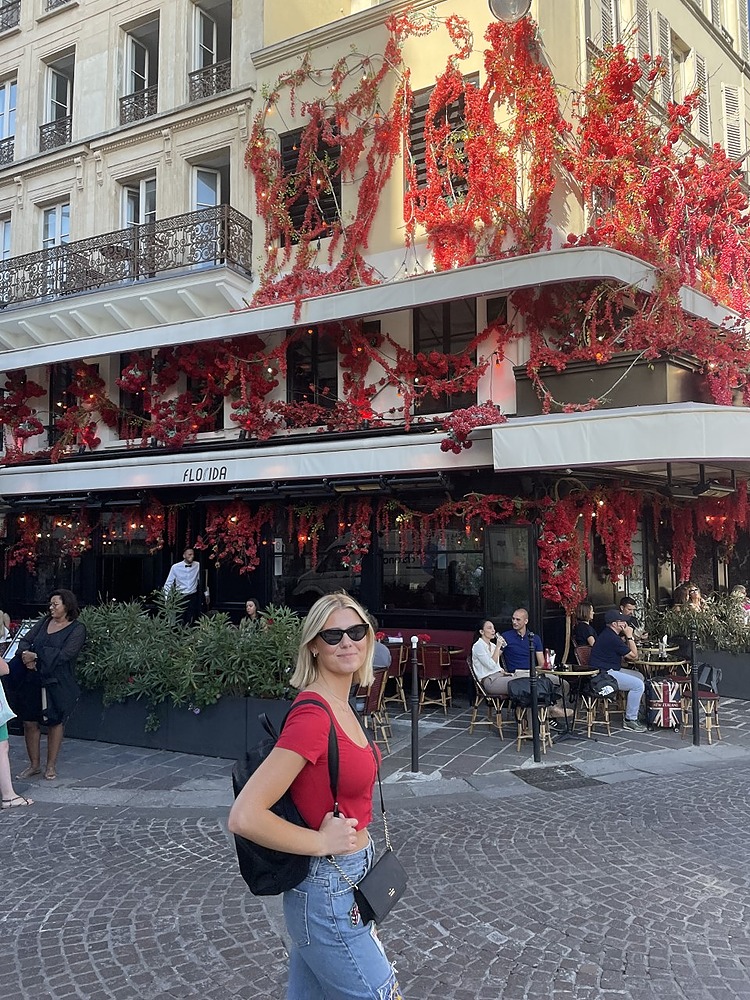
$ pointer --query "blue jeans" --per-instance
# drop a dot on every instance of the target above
(332, 954)
(632, 682)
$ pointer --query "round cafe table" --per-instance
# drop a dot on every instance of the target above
(575, 676)
(650, 667)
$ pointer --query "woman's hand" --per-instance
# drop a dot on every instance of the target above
(4, 668)
(338, 835)
(29, 659)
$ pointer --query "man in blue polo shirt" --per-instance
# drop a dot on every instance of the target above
(515, 646)
(614, 644)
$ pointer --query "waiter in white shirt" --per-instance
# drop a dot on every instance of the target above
(186, 577)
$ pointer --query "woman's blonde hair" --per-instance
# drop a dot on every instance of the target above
(306, 669)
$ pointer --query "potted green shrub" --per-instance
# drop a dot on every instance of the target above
(721, 634)
(150, 681)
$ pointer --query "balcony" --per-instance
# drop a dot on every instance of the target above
(210, 80)
(141, 104)
(55, 134)
(197, 240)
(7, 147)
(54, 4)
(10, 15)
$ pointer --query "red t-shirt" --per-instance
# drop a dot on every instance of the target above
(306, 733)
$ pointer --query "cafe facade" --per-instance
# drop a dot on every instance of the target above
(255, 337)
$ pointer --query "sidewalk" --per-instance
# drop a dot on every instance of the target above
(451, 762)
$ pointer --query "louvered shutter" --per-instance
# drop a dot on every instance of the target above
(643, 26)
(716, 14)
(609, 23)
(732, 126)
(663, 36)
(702, 120)
(744, 45)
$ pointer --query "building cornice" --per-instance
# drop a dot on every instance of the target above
(341, 29)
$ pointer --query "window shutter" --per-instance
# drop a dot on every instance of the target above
(716, 14)
(663, 36)
(702, 120)
(744, 45)
(608, 23)
(732, 126)
(643, 25)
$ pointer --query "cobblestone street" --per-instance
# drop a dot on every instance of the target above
(555, 883)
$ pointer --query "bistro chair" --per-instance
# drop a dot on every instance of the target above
(373, 712)
(595, 708)
(493, 702)
(396, 674)
(435, 671)
(708, 711)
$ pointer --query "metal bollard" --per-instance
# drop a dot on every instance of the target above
(414, 705)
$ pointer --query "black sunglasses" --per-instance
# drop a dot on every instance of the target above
(333, 636)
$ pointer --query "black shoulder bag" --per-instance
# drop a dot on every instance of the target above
(380, 889)
(266, 871)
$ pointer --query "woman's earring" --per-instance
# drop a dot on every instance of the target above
(314, 653)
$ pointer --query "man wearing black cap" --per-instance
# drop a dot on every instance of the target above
(614, 644)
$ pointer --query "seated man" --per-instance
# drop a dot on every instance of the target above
(628, 607)
(516, 650)
(614, 644)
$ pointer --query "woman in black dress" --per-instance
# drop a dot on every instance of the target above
(48, 690)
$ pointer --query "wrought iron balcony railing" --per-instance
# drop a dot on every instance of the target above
(210, 237)
(10, 15)
(56, 133)
(141, 104)
(54, 4)
(210, 80)
(7, 147)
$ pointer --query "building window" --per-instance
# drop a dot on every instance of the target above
(5, 237)
(58, 128)
(139, 202)
(448, 328)
(133, 414)
(610, 11)
(8, 90)
(313, 183)
(734, 143)
(141, 88)
(702, 116)
(312, 369)
(60, 397)
(209, 405)
(213, 42)
(452, 115)
(56, 225)
(10, 14)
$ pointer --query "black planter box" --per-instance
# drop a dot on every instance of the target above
(225, 729)
(735, 671)
(666, 380)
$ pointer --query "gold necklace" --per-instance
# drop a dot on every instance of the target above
(341, 701)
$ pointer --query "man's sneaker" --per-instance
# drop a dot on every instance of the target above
(634, 725)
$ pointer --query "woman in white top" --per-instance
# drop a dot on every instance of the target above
(485, 660)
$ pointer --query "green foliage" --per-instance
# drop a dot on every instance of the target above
(132, 653)
(721, 624)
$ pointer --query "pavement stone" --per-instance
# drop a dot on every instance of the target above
(621, 872)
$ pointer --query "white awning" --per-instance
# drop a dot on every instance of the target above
(636, 439)
(314, 460)
(491, 278)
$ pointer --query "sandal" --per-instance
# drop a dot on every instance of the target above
(29, 772)
(16, 802)
(50, 774)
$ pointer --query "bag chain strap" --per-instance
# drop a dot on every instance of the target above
(331, 858)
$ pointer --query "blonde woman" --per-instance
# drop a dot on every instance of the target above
(332, 955)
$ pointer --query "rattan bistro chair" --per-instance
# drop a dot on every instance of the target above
(595, 707)
(373, 712)
(435, 669)
(396, 671)
(495, 703)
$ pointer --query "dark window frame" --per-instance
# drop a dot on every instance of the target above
(446, 402)
(455, 114)
(328, 203)
(320, 353)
